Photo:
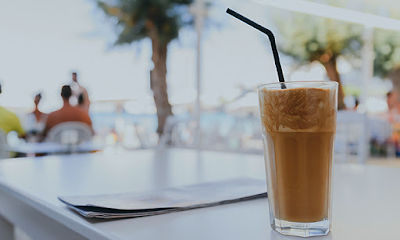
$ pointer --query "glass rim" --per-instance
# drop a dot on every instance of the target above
(326, 82)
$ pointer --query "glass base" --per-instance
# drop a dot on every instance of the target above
(300, 229)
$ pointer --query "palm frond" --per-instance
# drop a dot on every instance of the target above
(138, 19)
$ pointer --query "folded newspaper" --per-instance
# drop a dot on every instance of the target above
(167, 200)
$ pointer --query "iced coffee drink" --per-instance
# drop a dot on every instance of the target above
(299, 124)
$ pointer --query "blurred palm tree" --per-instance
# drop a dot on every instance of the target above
(387, 52)
(308, 38)
(158, 20)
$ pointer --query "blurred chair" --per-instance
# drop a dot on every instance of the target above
(70, 133)
(351, 137)
(4, 153)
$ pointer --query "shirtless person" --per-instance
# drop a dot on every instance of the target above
(67, 113)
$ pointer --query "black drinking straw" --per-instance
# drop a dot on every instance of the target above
(271, 39)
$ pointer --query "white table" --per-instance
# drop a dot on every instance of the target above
(366, 198)
(54, 148)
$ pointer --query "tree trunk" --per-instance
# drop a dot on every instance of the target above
(333, 75)
(158, 83)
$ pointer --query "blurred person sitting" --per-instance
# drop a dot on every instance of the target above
(78, 90)
(393, 97)
(35, 121)
(356, 102)
(40, 117)
(10, 122)
(67, 113)
(392, 102)
(81, 101)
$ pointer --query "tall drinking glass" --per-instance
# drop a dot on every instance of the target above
(299, 126)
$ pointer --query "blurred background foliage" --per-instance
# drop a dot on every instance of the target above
(387, 51)
(306, 39)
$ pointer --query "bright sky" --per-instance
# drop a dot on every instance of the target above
(42, 41)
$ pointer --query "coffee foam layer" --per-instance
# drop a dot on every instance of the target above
(299, 109)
